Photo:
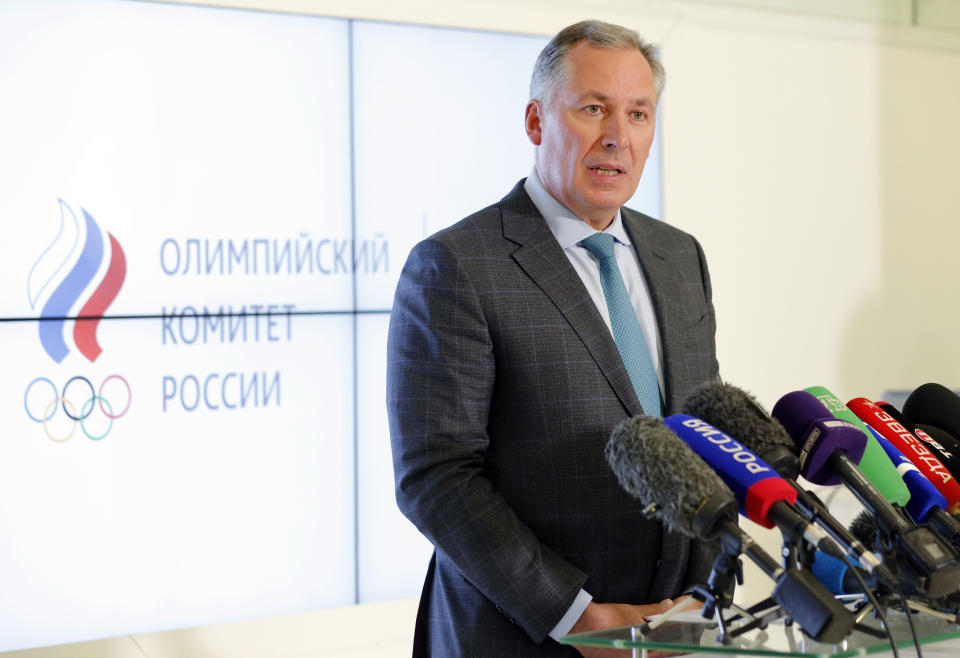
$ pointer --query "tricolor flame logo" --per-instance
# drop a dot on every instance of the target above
(46, 274)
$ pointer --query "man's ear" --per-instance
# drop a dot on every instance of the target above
(534, 114)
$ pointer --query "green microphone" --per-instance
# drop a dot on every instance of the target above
(875, 464)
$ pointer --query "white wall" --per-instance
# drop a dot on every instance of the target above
(815, 160)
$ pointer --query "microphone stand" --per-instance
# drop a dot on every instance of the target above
(795, 553)
(716, 595)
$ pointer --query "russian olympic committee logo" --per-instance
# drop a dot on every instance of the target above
(67, 289)
(81, 404)
(63, 284)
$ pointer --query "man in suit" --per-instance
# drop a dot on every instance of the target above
(508, 368)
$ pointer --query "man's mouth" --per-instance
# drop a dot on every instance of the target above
(603, 171)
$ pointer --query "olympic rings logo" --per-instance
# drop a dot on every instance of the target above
(59, 399)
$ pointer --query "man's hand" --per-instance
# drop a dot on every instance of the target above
(600, 616)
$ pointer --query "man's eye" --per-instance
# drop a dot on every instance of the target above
(592, 109)
(639, 114)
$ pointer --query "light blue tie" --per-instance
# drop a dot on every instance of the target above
(627, 332)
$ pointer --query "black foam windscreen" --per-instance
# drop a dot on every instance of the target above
(934, 404)
(864, 528)
(734, 411)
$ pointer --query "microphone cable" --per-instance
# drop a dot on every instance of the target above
(876, 606)
(906, 611)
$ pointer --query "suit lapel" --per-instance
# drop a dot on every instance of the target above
(664, 286)
(540, 256)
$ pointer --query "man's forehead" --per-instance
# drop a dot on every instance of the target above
(642, 98)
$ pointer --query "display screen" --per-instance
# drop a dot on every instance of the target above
(207, 211)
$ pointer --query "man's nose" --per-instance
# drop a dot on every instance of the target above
(615, 133)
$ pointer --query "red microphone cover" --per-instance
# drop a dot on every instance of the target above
(914, 449)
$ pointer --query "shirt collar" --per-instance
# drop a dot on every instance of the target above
(566, 227)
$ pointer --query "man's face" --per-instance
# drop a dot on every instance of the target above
(595, 135)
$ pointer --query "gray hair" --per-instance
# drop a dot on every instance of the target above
(550, 71)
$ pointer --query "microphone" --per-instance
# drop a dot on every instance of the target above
(864, 528)
(929, 433)
(655, 466)
(944, 446)
(765, 498)
(915, 450)
(736, 412)
(873, 463)
(821, 439)
(647, 459)
(926, 502)
(934, 404)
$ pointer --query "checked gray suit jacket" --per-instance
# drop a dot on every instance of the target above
(503, 385)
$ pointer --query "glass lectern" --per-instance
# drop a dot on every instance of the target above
(938, 639)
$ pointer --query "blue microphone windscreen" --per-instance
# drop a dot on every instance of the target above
(830, 571)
